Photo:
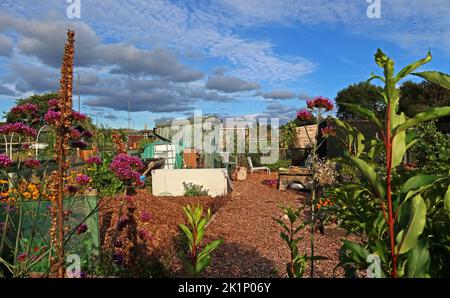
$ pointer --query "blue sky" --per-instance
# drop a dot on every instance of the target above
(229, 57)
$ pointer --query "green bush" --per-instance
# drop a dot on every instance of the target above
(281, 163)
(194, 190)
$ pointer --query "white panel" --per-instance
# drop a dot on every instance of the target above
(170, 182)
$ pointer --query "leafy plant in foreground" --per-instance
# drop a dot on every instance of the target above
(404, 205)
(198, 258)
(297, 265)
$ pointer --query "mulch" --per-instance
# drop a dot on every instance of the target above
(244, 220)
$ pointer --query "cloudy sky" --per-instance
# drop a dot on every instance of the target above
(229, 57)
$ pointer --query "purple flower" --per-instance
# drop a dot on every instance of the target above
(123, 222)
(142, 234)
(19, 128)
(5, 161)
(146, 216)
(52, 117)
(82, 229)
(94, 160)
(27, 108)
(9, 208)
(75, 134)
(32, 163)
(87, 134)
(118, 243)
(78, 116)
(53, 103)
(71, 189)
(83, 179)
(125, 167)
(79, 144)
(118, 258)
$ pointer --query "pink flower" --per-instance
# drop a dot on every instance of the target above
(304, 115)
(321, 102)
(94, 160)
(125, 167)
(22, 257)
(328, 131)
(19, 128)
(52, 117)
(78, 116)
(32, 163)
(146, 216)
(75, 134)
(83, 179)
(27, 108)
(5, 161)
(53, 103)
(82, 229)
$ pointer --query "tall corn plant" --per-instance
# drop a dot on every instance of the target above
(403, 207)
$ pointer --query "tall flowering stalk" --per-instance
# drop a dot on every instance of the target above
(317, 107)
(63, 127)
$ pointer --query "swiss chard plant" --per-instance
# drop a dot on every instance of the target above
(401, 233)
(198, 259)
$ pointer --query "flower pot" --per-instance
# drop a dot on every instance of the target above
(87, 153)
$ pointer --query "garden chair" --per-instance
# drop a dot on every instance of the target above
(252, 168)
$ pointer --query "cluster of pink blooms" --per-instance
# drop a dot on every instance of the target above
(328, 131)
(320, 102)
(78, 116)
(19, 128)
(53, 103)
(94, 160)
(75, 134)
(5, 161)
(27, 108)
(83, 179)
(125, 167)
(304, 115)
(32, 163)
(52, 117)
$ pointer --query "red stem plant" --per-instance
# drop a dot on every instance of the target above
(402, 238)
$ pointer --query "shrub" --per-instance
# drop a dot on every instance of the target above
(194, 190)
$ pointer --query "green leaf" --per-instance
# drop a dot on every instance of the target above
(370, 174)
(373, 77)
(285, 238)
(417, 181)
(407, 238)
(447, 199)
(202, 264)
(209, 248)
(423, 117)
(281, 223)
(398, 142)
(418, 260)
(360, 253)
(412, 67)
(363, 112)
(359, 143)
(187, 232)
(439, 78)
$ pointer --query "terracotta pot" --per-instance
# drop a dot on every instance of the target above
(86, 154)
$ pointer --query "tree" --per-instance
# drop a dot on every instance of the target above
(363, 94)
(418, 97)
(41, 101)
